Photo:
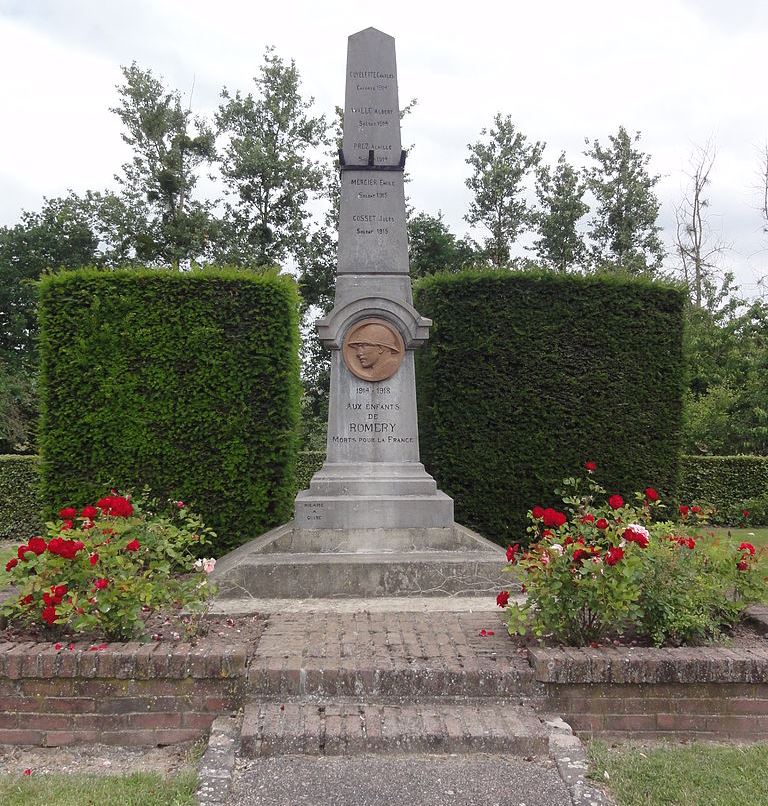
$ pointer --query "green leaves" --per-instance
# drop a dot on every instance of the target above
(527, 375)
(186, 382)
(500, 163)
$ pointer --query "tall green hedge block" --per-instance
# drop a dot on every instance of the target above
(185, 382)
(20, 504)
(726, 482)
(526, 376)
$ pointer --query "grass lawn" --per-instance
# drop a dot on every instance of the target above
(137, 789)
(692, 775)
(758, 536)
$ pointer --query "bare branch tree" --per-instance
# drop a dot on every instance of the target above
(695, 244)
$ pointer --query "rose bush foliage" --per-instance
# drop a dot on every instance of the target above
(99, 569)
(606, 566)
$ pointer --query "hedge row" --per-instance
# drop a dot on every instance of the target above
(20, 503)
(526, 376)
(185, 382)
(309, 462)
(729, 483)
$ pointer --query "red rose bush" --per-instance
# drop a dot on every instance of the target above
(100, 568)
(601, 567)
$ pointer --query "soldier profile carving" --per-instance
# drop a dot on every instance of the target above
(373, 350)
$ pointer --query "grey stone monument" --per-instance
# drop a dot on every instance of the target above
(373, 522)
(372, 477)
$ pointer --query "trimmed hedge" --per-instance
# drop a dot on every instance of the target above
(309, 462)
(527, 375)
(729, 483)
(20, 503)
(185, 382)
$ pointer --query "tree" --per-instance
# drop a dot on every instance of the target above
(500, 162)
(694, 245)
(624, 232)
(57, 236)
(169, 148)
(267, 167)
(433, 248)
(560, 191)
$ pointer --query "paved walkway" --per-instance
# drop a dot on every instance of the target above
(357, 704)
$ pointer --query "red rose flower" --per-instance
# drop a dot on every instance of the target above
(588, 518)
(502, 599)
(695, 509)
(745, 513)
(553, 518)
(22, 550)
(634, 535)
(537, 512)
(742, 565)
(134, 545)
(90, 512)
(579, 555)
(601, 523)
(49, 615)
(615, 502)
(590, 466)
(26, 600)
(511, 552)
(747, 547)
(67, 513)
(12, 563)
(100, 584)
(66, 526)
(683, 510)
(115, 506)
(38, 545)
(651, 494)
(689, 542)
(93, 558)
(614, 554)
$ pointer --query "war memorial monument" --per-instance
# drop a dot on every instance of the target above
(372, 522)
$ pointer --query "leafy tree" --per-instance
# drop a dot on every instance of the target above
(267, 166)
(624, 229)
(560, 191)
(433, 248)
(500, 162)
(18, 410)
(171, 227)
(57, 236)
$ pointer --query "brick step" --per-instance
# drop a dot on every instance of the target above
(348, 727)
(273, 677)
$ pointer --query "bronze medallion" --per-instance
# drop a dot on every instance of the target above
(373, 350)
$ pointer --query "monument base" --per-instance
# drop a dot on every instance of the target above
(288, 562)
(372, 495)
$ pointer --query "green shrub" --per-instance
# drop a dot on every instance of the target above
(184, 382)
(527, 375)
(99, 569)
(730, 484)
(610, 565)
(20, 502)
(309, 462)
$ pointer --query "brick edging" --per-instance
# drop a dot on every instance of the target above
(635, 665)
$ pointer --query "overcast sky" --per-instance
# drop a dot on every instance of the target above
(681, 71)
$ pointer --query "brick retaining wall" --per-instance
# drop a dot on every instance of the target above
(706, 693)
(123, 694)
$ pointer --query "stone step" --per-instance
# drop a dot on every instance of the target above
(339, 727)
(428, 573)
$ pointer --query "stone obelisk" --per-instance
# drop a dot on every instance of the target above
(372, 477)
